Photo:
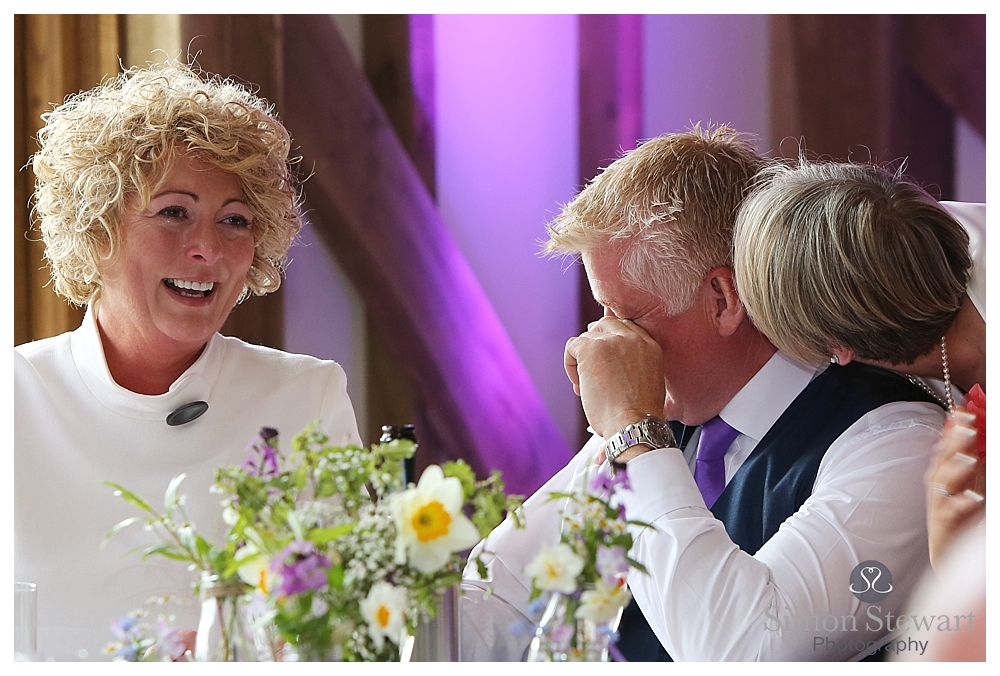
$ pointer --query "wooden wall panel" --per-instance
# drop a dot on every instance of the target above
(841, 85)
(948, 53)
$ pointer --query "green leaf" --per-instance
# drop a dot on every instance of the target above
(322, 536)
(397, 449)
(643, 524)
(188, 538)
(295, 524)
(335, 576)
(202, 546)
(118, 527)
(170, 497)
(481, 568)
(635, 564)
(130, 497)
(464, 473)
(166, 551)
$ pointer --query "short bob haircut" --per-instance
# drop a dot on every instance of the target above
(671, 203)
(101, 148)
(840, 255)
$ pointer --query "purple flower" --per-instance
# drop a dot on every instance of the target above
(302, 568)
(263, 460)
(169, 641)
(127, 653)
(604, 484)
(560, 635)
(123, 628)
(611, 564)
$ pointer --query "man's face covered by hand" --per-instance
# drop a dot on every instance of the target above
(638, 359)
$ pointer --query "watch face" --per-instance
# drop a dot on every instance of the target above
(659, 432)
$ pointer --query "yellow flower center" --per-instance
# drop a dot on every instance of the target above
(382, 616)
(553, 571)
(263, 581)
(431, 521)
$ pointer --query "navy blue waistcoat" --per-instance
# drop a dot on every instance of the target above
(778, 476)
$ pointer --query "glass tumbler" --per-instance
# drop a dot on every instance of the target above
(25, 621)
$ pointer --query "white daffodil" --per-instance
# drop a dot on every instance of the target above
(429, 521)
(255, 568)
(383, 610)
(556, 568)
(603, 602)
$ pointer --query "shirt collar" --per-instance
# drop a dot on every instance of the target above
(194, 384)
(760, 403)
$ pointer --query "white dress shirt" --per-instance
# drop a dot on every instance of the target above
(708, 600)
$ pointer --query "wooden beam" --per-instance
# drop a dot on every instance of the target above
(370, 206)
(840, 84)
(386, 47)
(22, 188)
(247, 48)
(610, 109)
(610, 106)
(948, 53)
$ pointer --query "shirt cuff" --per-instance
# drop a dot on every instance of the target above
(660, 482)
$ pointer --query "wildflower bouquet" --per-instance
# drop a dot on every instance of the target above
(339, 558)
(584, 575)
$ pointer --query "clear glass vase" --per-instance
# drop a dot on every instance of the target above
(562, 637)
(437, 638)
(227, 630)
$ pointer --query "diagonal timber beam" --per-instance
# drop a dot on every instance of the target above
(368, 203)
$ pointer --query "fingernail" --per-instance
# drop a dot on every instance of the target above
(966, 459)
(963, 417)
(967, 432)
(972, 495)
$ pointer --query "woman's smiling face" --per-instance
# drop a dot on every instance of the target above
(183, 260)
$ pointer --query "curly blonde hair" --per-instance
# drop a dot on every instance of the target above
(672, 202)
(102, 147)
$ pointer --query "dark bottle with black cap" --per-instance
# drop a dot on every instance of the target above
(391, 432)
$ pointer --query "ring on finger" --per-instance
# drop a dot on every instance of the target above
(941, 490)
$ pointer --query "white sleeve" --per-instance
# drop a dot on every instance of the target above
(972, 217)
(706, 599)
(337, 414)
(487, 617)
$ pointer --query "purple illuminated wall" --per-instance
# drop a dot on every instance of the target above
(706, 68)
(506, 121)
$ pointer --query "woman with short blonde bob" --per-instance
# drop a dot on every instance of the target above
(163, 197)
(839, 261)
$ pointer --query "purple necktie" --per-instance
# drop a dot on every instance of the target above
(710, 465)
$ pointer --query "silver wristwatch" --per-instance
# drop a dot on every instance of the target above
(650, 431)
